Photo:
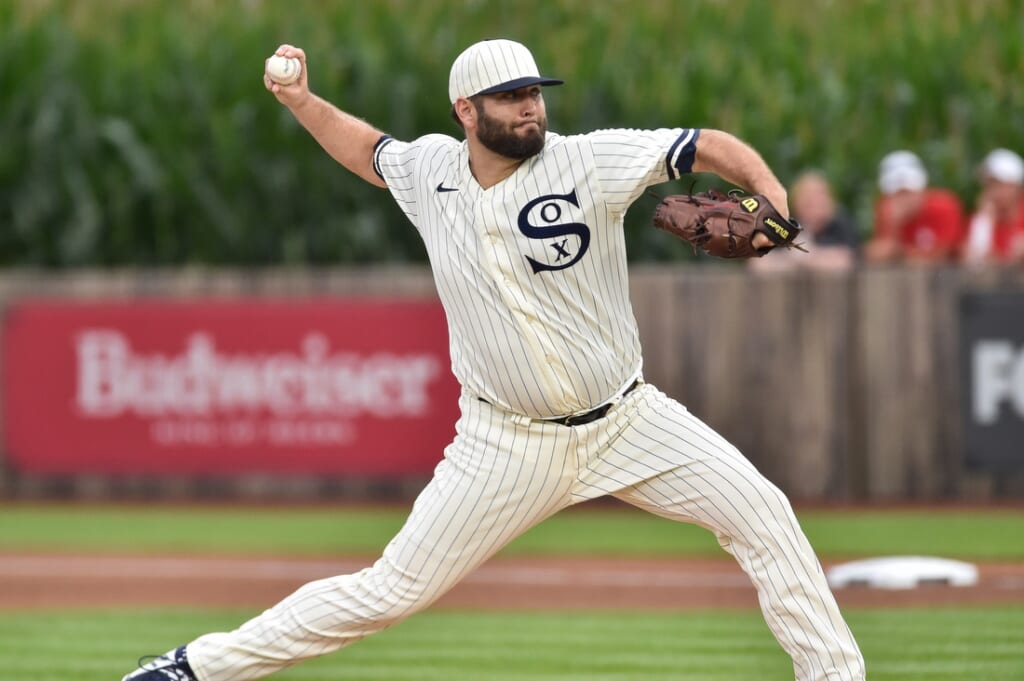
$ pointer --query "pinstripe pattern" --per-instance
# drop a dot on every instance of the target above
(543, 344)
(708, 482)
(539, 339)
(493, 64)
(505, 473)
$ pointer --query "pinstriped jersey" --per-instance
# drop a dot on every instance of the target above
(532, 271)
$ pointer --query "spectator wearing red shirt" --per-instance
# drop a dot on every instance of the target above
(913, 222)
(996, 231)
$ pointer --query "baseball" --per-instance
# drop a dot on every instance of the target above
(283, 70)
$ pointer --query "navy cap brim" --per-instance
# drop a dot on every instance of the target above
(518, 83)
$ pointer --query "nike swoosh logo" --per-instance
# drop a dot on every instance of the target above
(442, 188)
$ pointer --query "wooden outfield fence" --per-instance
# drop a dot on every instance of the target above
(838, 387)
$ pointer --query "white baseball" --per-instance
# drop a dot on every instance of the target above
(283, 70)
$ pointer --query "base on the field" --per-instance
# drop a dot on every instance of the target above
(902, 572)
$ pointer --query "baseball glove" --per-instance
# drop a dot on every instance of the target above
(724, 225)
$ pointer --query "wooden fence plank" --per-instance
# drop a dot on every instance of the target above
(835, 386)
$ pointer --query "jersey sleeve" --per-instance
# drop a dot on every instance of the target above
(395, 162)
(629, 161)
(409, 168)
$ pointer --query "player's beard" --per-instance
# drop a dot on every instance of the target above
(502, 138)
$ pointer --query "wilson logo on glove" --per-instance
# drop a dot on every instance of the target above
(779, 229)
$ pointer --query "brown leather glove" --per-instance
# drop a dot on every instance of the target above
(724, 225)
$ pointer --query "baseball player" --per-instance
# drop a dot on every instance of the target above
(524, 231)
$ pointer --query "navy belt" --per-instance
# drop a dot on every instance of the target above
(589, 416)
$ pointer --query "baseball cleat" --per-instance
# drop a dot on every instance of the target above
(171, 666)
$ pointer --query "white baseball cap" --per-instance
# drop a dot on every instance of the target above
(901, 170)
(1003, 165)
(493, 66)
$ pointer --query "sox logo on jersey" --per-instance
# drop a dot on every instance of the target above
(549, 210)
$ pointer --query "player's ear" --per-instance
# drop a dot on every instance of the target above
(465, 112)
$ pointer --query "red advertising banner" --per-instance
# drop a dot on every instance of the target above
(355, 387)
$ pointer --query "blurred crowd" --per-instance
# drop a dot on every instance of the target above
(914, 221)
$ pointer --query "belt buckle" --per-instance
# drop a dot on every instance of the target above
(588, 417)
(596, 413)
(581, 419)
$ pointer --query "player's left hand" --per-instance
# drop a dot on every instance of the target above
(727, 225)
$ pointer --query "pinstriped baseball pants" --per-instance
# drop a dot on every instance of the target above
(505, 473)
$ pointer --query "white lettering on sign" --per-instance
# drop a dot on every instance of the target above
(114, 380)
(193, 432)
(998, 377)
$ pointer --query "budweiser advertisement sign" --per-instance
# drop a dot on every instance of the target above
(303, 387)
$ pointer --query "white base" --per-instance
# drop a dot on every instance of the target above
(902, 572)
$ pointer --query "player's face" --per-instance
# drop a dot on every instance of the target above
(512, 124)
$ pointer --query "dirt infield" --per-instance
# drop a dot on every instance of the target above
(48, 580)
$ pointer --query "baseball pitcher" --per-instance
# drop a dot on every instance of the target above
(524, 231)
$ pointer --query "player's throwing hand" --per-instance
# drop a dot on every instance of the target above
(292, 93)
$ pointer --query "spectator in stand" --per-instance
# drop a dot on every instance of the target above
(830, 235)
(996, 231)
(914, 223)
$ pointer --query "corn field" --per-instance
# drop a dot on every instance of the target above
(138, 132)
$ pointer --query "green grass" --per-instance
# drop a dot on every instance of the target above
(991, 535)
(942, 644)
(903, 645)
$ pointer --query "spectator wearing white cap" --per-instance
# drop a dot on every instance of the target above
(913, 222)
(996, 231)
